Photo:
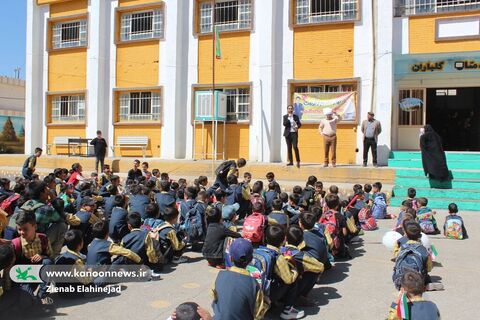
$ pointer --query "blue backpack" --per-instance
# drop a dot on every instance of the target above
(193, 224)
(409, 259)
(379, 208)
(261, 267)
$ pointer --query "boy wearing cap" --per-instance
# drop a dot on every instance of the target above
(236, 294)
(229, 216)
(83, 221)
(371, 128)
(328, 129)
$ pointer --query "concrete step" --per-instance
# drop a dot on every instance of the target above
(417, 163)
(425, 183)
(440, 193)
(442, 203)
(409, 155)
(457, 174)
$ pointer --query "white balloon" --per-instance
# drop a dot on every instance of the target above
(390, 238)
(426, 241)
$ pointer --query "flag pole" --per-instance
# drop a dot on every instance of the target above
(214, 138)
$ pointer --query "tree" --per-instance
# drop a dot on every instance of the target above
(22, 132)
(8, 133)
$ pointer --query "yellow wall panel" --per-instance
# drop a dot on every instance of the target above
(68, 8)
(236, 146)
(67, 70)
(422, 30)
(234, 65)
(153, 132)
(64, 131)
(323, 52)
(137, 64)
(125, 3)
(310, 144)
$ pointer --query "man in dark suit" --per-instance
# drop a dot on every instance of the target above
(291, 122)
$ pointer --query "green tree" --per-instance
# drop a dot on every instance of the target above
(8, 133)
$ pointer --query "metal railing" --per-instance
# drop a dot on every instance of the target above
(142, 25)
(69, 34)
(318, 11)
(68, 108)
(418, 7)
(238, 104)
(135, 106)
(229, 15)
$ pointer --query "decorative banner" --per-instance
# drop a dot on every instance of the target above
(311, 106)
(410, 104)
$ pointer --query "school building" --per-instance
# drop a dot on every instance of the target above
(133, 68)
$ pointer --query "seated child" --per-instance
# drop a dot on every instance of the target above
(236, 294)
(407, 217)
(151, 221)
(426, 217)
(269, 196)
(411, 194)
(367, 188)
(172, 243)
(298, 191)
(138, 200)
(379, 206)
(284, 285)
(315, 242)
(318, 195)
(83, 221)
(229, 216)
(309, 267)
(406, 204)
(413, 255)
(271, 179)
(213, 248)
(101, 250)
(308, 193)
(411, 304)
(164, 199)
(278, 216)
(292, 209)
(454, 228)
(118, 227)
(335, 225)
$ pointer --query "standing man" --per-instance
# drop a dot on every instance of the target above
(29, 164)
(328, 129)
(292, 123)
(371, 128)
(100, 149)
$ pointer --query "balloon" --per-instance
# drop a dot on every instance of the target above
(390, 238)
(426, 241)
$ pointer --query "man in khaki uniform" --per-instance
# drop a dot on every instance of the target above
(371, 128)
(328, 129)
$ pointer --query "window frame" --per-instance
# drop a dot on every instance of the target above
(293, 15)
(400, 9)
(136, 9)
(52, 22)
(400, 112)
(49, 98)
(198, 18)
(119, 92)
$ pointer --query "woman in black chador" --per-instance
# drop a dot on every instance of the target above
(433, 156)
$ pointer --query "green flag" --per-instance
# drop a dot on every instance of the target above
(218, 50)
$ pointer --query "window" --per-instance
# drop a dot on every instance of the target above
(68, 108)
(411, 118)
(69, 34)
(325, 88)
(414, 7)
(229, 15)
(238, 104)
(318, 11)
(140, 106)
(142, 25)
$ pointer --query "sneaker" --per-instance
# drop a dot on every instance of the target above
(434, 286)
(292, 313)
(155, 276)
(178, 260)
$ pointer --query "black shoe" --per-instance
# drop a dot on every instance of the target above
(298, 164)
(364, 165)
(289, 164)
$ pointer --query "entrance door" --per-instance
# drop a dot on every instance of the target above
(410, 122)
(454, 113)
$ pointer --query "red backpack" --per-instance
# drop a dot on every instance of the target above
(253, 227)
(367, 221)
(331, 225)
(7, 204)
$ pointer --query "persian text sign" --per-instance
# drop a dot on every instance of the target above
(313, 105)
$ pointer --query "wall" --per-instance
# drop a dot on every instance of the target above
(68, 8)
(235, 148)
(137, 64)
(67, 70)
(154, 133)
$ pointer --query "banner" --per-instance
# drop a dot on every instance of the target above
(310, 106)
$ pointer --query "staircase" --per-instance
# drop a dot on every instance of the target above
(465, 186)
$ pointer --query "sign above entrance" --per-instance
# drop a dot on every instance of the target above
(410, 104)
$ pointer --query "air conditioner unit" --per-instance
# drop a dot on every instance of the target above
(203, 106)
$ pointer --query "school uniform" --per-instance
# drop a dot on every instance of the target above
(134, 174)
(316, 246)
(278, 218)
(108, 204)
(138, 203)
(140, 242)
(426, 260)
(284, 284)
(185, 206)
(236, 193)
(83, 221)
(270, 195)
(118, 227)
(237, 296)
(76, 260)
(170, 244)
(164, 200)
(213, 248)
(418, 308)
(100, 252)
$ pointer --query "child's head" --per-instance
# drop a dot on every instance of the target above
(38, 191)
(277, 204)
(294, 199)
(275, 236)
(413, 283)
(247, 177)
(311, 181)
(164, 185)
(88, 204)
(377, 187)
(284, 197)
(307, 220)
(26, 225)
(258, 208)
(332, 201)
(294, 235)
(5, 183)
(272, 186)
(119, 201)
(270, 176)
(145, 166)
(333, 189)
(257, 187)
(213, 214)
(241, 252)
(38, 152)
(99, 134)
(182, 182)
(152, 210)
(136, 163)
(220, 195)
(134, 220)
(406, 204)
(317, 213)
(422, 202)
(232, 180)
(411, 193)
(357, 188)
(187, 311)
(191, 192)
(170, 215)
(115, 180)
(319, 186)
(106, 168)
(164, 176)
(202, 196)
(241, 162)
(412, 230)
(7, 256)
(156, 173)
(100, 230)
(367, 188)
(297, 190)
(411, 212)
(74, 240)
(452, 208)
(202, 181)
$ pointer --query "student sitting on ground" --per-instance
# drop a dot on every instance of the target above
(319, 195)
(308, 193)
(315, 241)
(379, 206)
(335, 225)
(407, 217)
(411, 195)
(278, 216)
(236, 294)
(292, 209)
(229, 216)
(411, 304)
(406, 204)
(138, 200)
(172, 244)
(152, 221)
(213, 248)
(271, 179)
(426, 217)
(367, 188)
(269, 196)
(454, 227)
(309, 267)
(164, 199)
(237, 193)
(118, 227)
(83, 221)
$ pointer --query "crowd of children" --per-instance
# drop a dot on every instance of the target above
(273, 245)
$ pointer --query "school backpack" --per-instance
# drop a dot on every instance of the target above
(308, 195)
(226, 253)
(223, 168)
(454, 228)
(253, 227)
(193, 224)
(150, 224)
(261, 267)
(295, 256)
(409, 259)
(329, 220)
(367, 221)
(17, 245)
(7, 204)
(379, 208)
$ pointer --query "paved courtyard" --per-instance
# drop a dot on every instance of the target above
(360, 288)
